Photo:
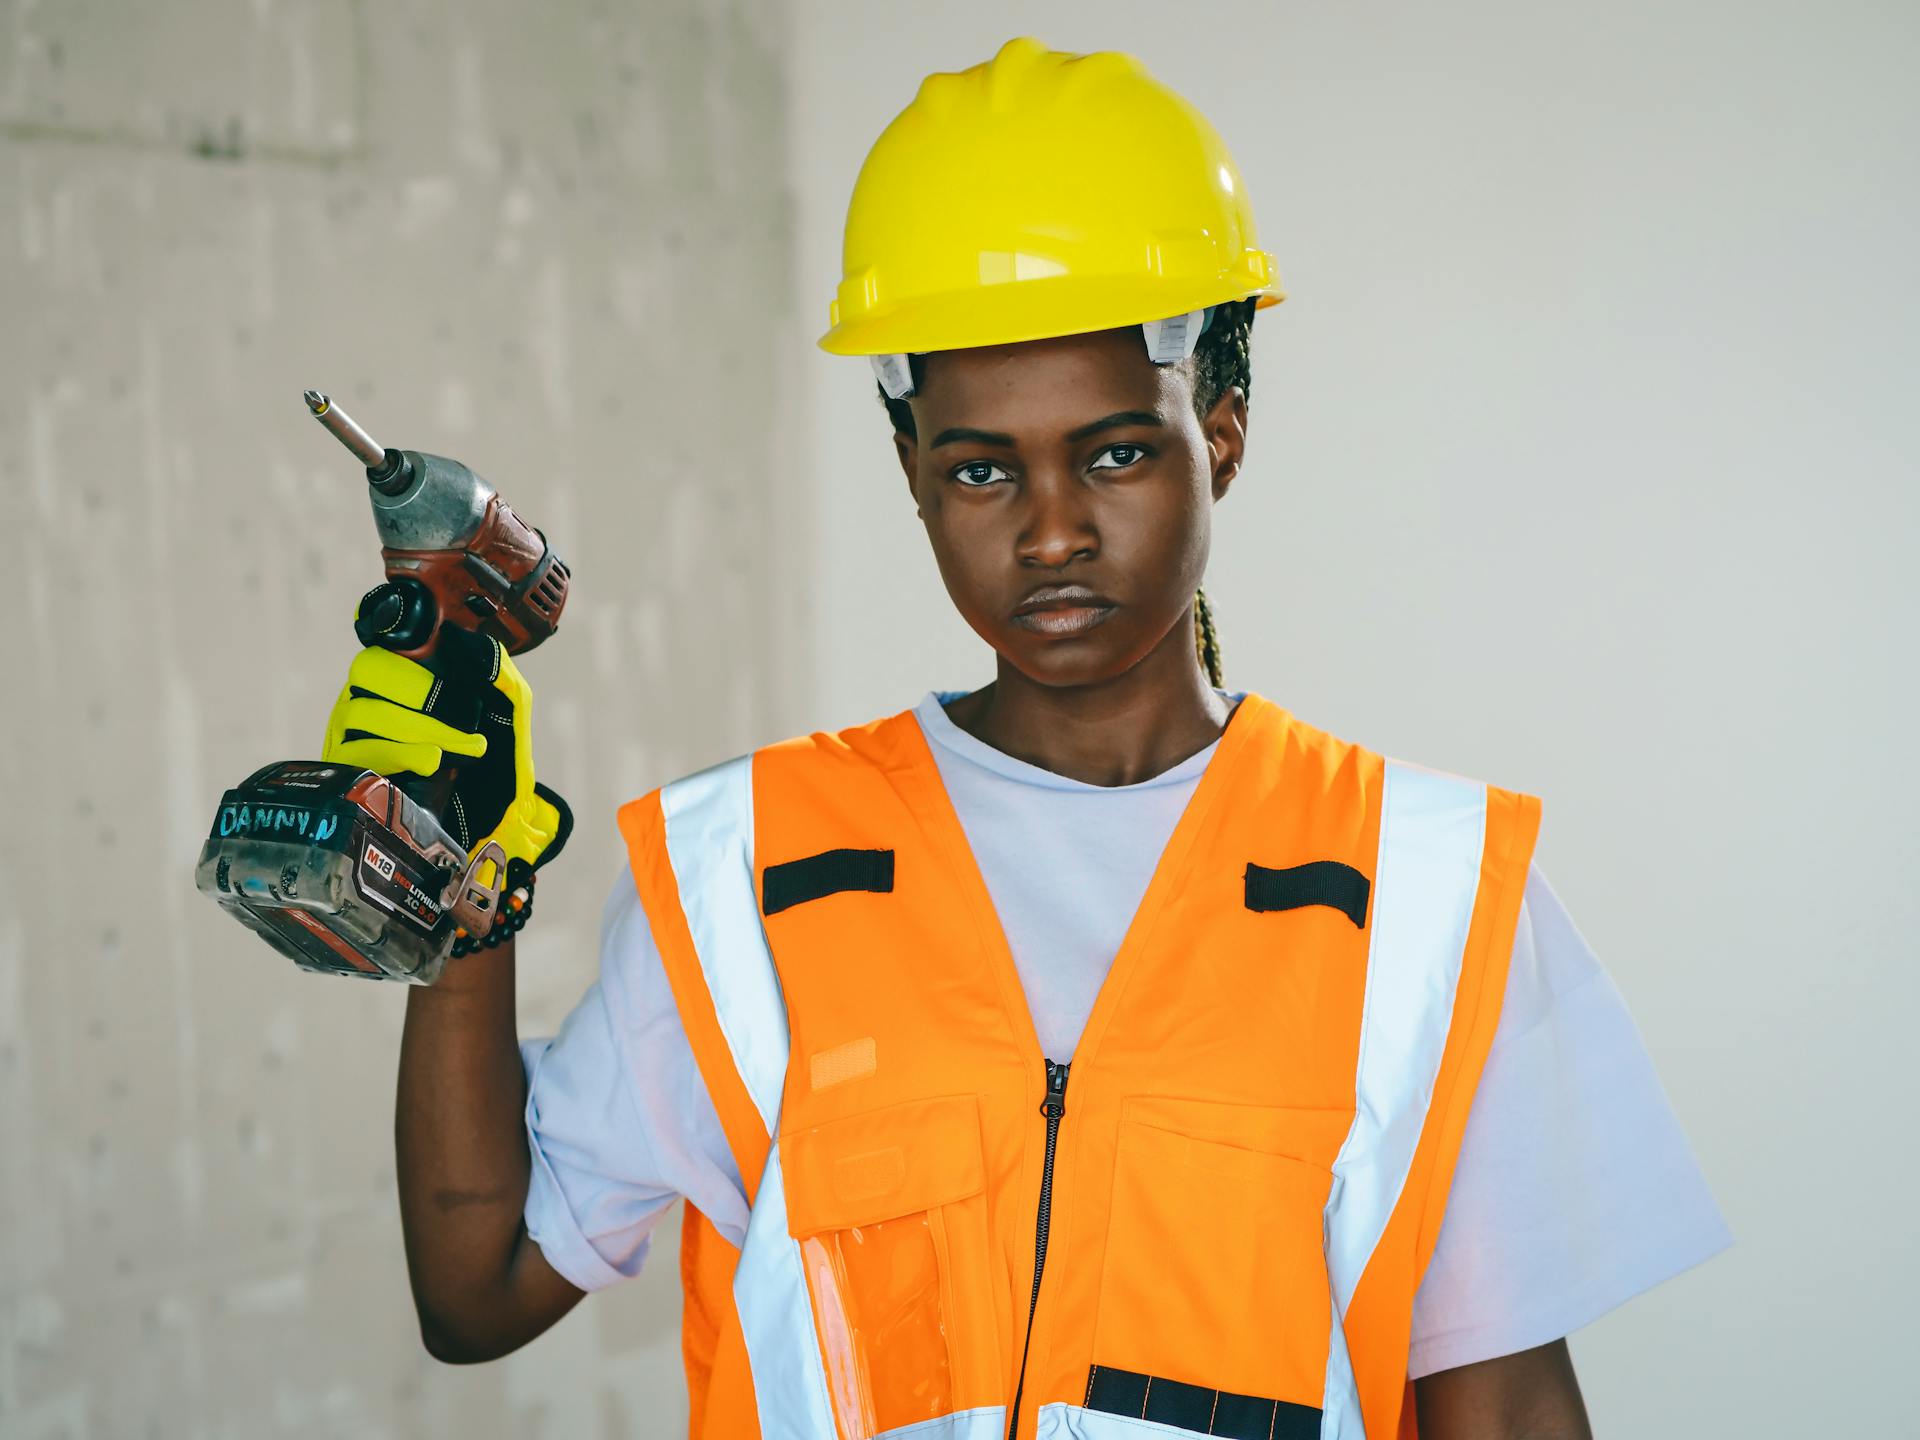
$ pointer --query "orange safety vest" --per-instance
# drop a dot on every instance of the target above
(1215, 1219)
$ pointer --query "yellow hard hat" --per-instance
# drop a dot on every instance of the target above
(1043, 193)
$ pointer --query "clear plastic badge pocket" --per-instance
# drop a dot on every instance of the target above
(889, 1209)
(1215, 1270)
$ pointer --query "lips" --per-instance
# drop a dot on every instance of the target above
(1057, 597)
(1062, 609)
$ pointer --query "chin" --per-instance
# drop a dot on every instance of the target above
(1067, 664)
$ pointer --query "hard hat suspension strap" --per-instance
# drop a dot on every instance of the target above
(1169, 341)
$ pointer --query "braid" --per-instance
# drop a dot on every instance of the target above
(1222, 359)
(1224, 356)
(1206, 641)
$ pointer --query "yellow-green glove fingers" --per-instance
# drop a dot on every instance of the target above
(395, 738)
(387, 721)
(396, 678)
(385, 757)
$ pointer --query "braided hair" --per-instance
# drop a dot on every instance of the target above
(1223, 358)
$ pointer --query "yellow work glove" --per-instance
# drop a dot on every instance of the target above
(472, 710)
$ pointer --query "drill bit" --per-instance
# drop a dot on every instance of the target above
(345, 430)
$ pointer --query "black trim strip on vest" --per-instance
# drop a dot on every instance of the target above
(1320, 882)
(1197, 1409)
(828, 873)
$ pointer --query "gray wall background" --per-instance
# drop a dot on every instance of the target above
(1582, 459)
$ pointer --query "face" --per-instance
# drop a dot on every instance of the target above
(1068, 488)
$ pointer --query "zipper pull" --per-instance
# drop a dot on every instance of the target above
(1055, 1105)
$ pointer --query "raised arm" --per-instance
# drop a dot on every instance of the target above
(1529, 1396)
(481, 1286)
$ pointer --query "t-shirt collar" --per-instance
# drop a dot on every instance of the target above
(942, 732)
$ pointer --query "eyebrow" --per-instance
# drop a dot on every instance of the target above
(993, 437)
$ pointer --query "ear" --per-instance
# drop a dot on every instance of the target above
(1225, 429)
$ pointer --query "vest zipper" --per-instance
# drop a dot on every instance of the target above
(1053, 1107)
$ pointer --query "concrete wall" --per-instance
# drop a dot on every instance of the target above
(552, 241)
(1581, 458)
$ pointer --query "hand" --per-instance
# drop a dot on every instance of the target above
(472, 711)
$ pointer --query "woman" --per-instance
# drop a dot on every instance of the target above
(1092, 1054)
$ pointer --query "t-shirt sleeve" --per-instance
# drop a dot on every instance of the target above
(1576, 1188)
(618, 1119)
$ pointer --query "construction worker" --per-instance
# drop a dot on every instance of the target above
(1100, 1053)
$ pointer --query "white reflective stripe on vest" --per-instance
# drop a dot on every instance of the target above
(987, 1423)
(709, 825)
(709, 829)
(1061, 1421)
(776, 1320)
(1433, 829)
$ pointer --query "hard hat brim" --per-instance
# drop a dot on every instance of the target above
(1011, 314)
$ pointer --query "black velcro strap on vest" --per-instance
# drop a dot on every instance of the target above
(828, 873)
(1321, 882)
(1198, 1409)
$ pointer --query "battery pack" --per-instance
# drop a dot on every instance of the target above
(338, 869)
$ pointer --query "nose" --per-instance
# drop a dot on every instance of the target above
(1059, 525)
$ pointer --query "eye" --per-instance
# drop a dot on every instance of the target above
(969, 475)
(1128, 455)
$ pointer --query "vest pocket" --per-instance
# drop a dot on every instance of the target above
(1215, 1274)
(889, 1209)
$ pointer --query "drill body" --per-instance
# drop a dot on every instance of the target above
(455, 553)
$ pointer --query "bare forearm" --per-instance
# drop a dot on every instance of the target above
(481, 1287)
(1533, 1395)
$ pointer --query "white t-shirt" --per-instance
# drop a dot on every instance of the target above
(1575, 1189)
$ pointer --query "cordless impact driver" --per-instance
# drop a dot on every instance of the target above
(347, 871)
